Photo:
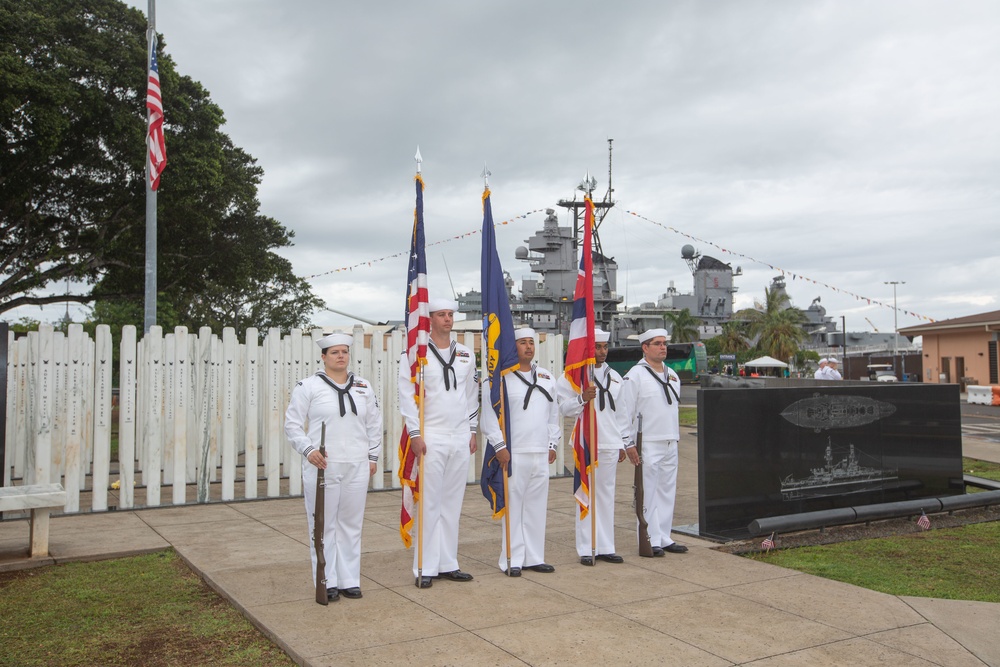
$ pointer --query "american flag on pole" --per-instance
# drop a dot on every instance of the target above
(768, 543)
(923, 521)
(157, 147)
(580, 361)
(418, 327)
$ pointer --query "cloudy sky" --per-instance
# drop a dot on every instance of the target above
(849, 143)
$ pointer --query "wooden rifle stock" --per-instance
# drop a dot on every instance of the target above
(645, 548)
(319, 523)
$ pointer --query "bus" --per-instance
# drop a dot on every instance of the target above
(687, 359)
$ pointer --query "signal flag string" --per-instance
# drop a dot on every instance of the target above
(407, 252)
(795, 276)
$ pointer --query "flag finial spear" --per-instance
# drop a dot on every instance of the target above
(588, 184)
(418, 158)
(486, 175)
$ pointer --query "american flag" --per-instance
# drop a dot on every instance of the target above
(154, 138)
(418, 327)
(768, 543)
(580, 362)
(923, 521)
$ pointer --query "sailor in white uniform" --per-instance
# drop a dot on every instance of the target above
(451, 419)
(831, 370)
(612, 440)
(820, 373)
(535, 432)
(653, 389)
(349, 408)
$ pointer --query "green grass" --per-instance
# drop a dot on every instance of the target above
(689, 416)
(954, 563)
(147, 610)
(979, 468)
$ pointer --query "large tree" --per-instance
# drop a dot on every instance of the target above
(775, 324)
(683, 326)
(72, 187)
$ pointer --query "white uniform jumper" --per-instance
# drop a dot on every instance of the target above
(451, 416)
(657, 397)
(612, 436)
(353, 439)
(534, 430)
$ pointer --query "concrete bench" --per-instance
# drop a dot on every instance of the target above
(41, 499)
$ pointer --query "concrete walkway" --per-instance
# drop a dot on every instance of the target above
(699, 608)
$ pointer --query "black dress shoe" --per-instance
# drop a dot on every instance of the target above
(426, 582)
(354, 593)
(515, 572)
(332, 594)
(456, 575)
(610, 558)
(676, 548)
(587, 560)
(657, 552)
(541, 567)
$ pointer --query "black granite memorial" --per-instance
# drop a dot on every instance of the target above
(771, 451)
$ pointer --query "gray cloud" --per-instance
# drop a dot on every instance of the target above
(848, 142)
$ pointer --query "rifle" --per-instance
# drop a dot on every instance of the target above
(319, 523)
(645, 548)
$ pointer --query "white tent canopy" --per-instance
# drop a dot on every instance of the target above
(766, 362)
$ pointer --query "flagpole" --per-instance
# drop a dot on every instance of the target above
(503, 474)
(149, 317)
(593, 476)
(420, 461)
(420, 485)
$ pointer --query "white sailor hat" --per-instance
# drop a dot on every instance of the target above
(524, 332)
(824, 360)
(601, 336)
(650, 334)
(832, 360)
(335, 339)
(437, 303)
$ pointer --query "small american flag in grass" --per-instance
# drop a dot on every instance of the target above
(923, 521)
(768, 543)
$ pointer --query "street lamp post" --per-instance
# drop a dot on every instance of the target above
(895, 320)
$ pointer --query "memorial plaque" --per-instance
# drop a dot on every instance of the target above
(772, 451)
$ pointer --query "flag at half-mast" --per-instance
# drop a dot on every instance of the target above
(155, 144)
(418, 327)
(501, 355)
(580, 362)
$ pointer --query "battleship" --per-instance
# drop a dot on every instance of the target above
(834, 479)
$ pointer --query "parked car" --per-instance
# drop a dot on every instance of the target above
(882, 373)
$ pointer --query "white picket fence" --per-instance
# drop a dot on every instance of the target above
(198, 414)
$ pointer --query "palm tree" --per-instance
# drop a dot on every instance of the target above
(683, 327)
(775, 324)
(732, 340)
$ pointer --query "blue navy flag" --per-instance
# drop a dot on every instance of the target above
(501, 355)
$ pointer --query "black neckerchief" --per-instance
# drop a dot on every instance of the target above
(446, 367)
(667, 389)
(342, 392)
(603, 391)
(531, 387)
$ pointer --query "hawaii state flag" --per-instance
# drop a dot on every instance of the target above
(501, 355)
(579, 365)
(418, 327)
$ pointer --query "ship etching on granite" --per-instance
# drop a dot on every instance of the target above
(825, 412)
(836, 478)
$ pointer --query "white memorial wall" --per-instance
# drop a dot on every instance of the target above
(199, 418)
